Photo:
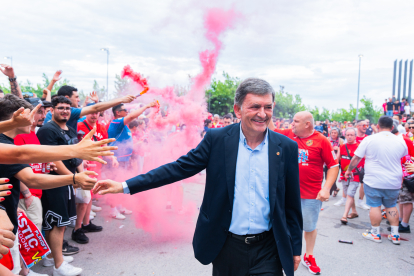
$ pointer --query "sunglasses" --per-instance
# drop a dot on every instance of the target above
(410, 127)
(364, 125)
(61, 108)
(122, 110)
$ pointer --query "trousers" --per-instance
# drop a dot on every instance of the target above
(237, 258)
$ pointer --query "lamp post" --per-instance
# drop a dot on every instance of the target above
(11, 60)
(359, 76)
(107, 67)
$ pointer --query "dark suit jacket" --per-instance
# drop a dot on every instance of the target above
(217, 153)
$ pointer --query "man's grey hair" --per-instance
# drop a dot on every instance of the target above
(351, 128)
(254, 86)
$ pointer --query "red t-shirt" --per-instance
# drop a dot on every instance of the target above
(359, 139)
(410, 145)
(100, 134)
(314, 152)
(218, 125)
(31, 139)
(345, 160)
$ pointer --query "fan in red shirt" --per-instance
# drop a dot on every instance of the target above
(315, 150)
(216, 122)
(361, 127)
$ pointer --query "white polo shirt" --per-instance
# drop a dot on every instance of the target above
(383, 152)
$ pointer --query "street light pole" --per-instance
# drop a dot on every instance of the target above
(107, 68)
(359, 76)
(11, 60)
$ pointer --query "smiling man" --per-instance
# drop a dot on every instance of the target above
(250, 220)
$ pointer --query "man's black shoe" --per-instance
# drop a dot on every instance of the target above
(91, 228)
(79, 236)
(402, 229)
(68, 250)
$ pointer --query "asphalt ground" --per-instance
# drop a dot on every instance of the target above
(123, 249)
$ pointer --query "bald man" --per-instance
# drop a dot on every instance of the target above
(314, 151)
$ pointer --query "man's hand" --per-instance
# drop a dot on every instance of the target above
(108, 187)
(323, 195)
(46, 92)
(6, 241)
(24, 117)
(347, 174)
(7, 70)
(115, 163)
(56, 76)
(83, 180)
(90, 150)
(53, 167)
(409, 167)
(296, 261)
(94, 96)
(4, 188)
(127, 99)
(20, 210)
(28, 201)
(152, 104)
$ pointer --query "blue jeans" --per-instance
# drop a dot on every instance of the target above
(310, 213)
(389, 113)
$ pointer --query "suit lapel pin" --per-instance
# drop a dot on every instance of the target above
(277, 153)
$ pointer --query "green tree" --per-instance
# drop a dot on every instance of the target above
(220, 95)
(369, 111)
(121, 84)
(287, 105)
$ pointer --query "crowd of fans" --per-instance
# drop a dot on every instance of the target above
(55, 195)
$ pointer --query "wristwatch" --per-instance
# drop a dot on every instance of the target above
(12, 79)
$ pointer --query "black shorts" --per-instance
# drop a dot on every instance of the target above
(59, 207)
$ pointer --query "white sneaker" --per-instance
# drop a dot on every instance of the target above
(340, 202)
(32, 273)
(124, 211)
(51, 262)
(96, 208)
(67, 270)
(361, 204)
(117, 215)
(90, 218)
(93, 213)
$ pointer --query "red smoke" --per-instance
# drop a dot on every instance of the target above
(166, 145)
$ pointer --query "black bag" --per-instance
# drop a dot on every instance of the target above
(409, 183)
(359, 171)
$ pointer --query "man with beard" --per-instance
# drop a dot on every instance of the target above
(59, 207)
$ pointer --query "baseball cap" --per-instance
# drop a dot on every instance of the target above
(34, 101)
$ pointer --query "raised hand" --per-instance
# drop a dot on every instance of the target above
(56, 76)
(4, 188)
(108, 186)
(24, 117)
(94, 96)
(90, 150)
(152, 104)
(7, 70)
(84, 181)
(128, 98)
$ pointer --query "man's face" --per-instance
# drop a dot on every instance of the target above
(1, 95)
(362, 126)
(92, 118)
(286, 125)
(61, 113)
(397, 118)
(411, 128)
(350, 136)
(227, 121)
(350, 125)
(216, 119)
(255, 112)
(367, 122)
(390, 100)
(75, 99)
(122, 112)
(39, 117)
(299, 124)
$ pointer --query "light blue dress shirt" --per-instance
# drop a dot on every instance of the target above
(251, 208)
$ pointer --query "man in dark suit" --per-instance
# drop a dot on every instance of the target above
(250, 221)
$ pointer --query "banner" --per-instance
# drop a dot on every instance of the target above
(32, 244)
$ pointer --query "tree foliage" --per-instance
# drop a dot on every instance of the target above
(287, 105)
(220, 95)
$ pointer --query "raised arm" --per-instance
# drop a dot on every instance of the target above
(85, 149)
(105, 105)
(14, 86)
(55, 79)
(21, 118)
(135, 114)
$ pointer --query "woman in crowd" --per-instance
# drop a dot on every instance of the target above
(336, 142)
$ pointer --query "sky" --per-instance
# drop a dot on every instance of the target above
(309, 47)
